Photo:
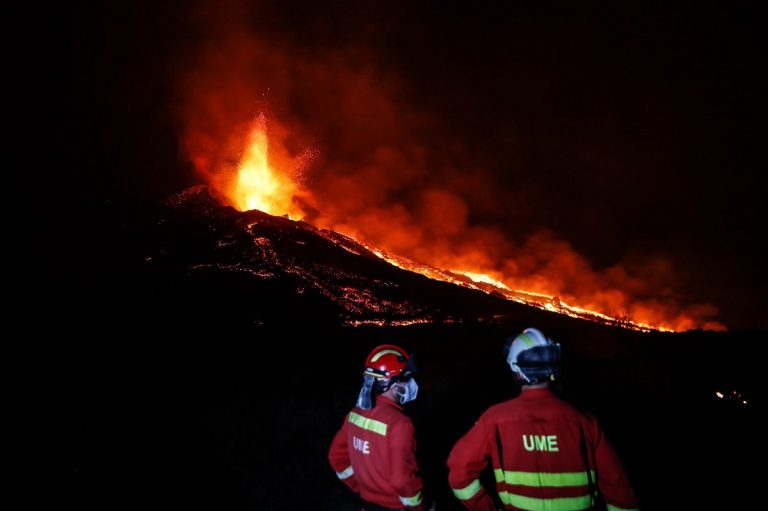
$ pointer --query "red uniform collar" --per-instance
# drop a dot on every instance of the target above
(536, 393)
(389, 402)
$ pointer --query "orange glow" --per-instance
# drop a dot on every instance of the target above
(264, 179)
(391, 175)
(482, 277)
(486, 283)
(258, 184)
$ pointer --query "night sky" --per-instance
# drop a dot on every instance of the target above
(631, 132)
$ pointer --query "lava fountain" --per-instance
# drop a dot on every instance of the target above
(257, 184)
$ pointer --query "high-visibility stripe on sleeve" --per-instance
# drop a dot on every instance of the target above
(345, 473)
(411, 501)
(468, 491)
(535, 504)
(541, 479)
(369, 424)
(617, 508)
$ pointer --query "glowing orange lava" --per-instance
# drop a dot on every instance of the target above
(483, 277)
(257, 184)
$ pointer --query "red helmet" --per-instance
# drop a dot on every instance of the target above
(387, 363)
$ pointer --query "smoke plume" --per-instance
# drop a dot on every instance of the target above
(369, 162)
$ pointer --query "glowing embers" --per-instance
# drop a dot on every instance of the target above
(732, 396)
(395, 322)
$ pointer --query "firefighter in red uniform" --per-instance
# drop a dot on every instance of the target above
(374, 452)
(545, 454)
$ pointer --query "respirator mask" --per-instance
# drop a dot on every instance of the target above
(407, 391)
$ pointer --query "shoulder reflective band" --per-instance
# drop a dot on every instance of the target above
(468, 491)
(616, 508)
(345, 473)
(411, 501)
(369, 424)
(541, 479)
(534, 504)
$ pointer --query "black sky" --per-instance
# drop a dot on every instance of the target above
(625, 128)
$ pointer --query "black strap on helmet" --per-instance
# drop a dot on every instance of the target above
(410, 366)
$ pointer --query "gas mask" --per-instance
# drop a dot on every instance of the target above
(407, 391)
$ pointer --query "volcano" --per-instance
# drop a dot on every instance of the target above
(343, 280)
(220, 350)
(353, 282)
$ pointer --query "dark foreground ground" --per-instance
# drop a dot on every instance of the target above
(245, 423)
(193, 390)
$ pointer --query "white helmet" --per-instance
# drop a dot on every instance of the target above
(532, 357)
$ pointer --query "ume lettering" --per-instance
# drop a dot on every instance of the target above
(540, 443)
(361, 445)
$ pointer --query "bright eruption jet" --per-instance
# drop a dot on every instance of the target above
(258, 185)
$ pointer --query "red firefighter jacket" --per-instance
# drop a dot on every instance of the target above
(545, 454)
(374, 453)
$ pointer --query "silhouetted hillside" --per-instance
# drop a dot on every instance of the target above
(216, 354)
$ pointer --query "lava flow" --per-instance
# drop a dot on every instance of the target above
(258, 182)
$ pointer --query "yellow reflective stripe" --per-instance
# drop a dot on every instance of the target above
(468, 491)
(534, 504)
(384, 352)
(540, 479)
(369, 424)
(411, 501)
(617, 508)
(345, 473)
